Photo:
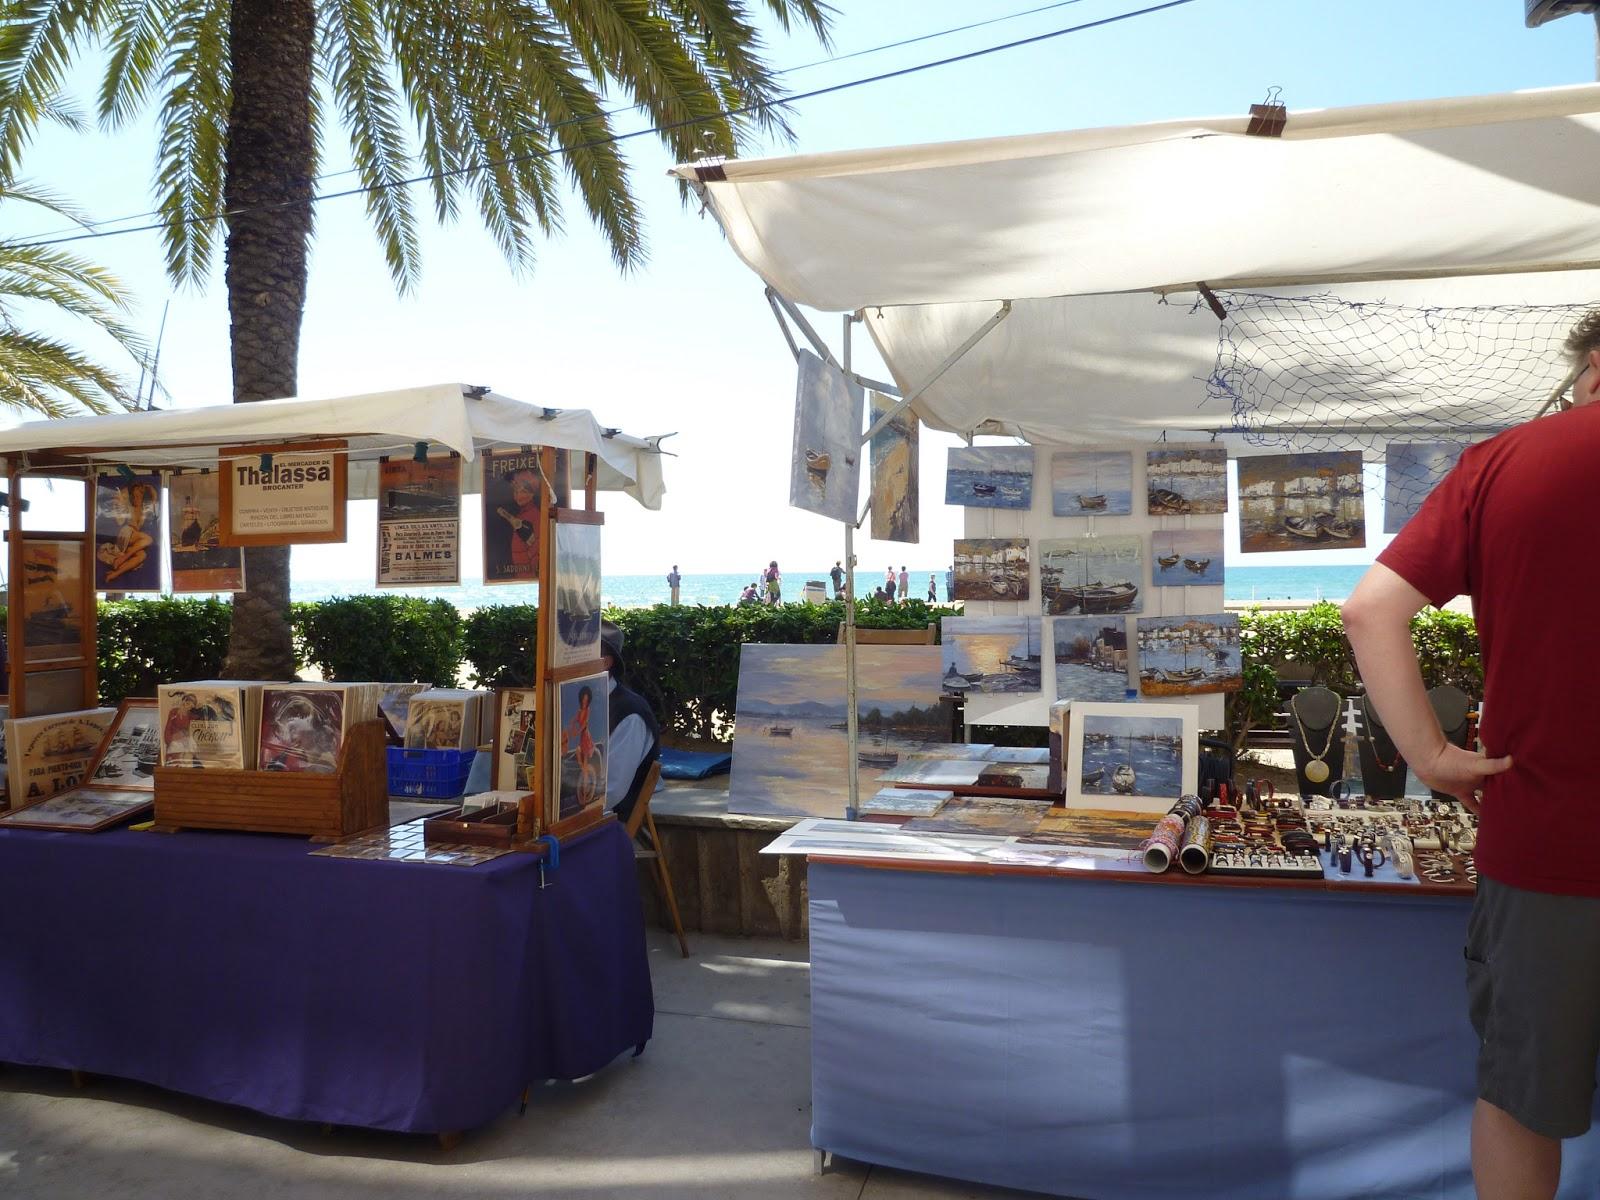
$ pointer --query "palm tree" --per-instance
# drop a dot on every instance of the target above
(503, 101)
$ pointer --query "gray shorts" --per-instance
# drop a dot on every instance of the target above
(1533, 988)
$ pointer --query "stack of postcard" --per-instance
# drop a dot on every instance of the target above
(444, 719)
(304, 725)
(210, 723)
(49, 754)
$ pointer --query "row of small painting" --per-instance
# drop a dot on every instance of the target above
(1087, 574)
(1090, 483)
(1091, 656)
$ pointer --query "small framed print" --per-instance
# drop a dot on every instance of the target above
(82, 810)
(129, 753)
(1130, 757)
(288, 494)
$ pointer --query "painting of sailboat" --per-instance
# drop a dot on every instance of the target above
(1188, 656)
(1091, 483)
(1136, 757)
(1186, 480)
(1092, 575)
(1186, 558)
(991, 569)
(989, 477)
(991, 654)
(825, 475)
(1411, 470)
(1301, 502)
(1091, 657)
(894, 474)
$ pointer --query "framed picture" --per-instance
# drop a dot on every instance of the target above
(47, 692)
(82, 810)
(1301, 502)
(576, 633)
(127, 758)
(513, 500)
(515, 739)
(1091, 483)
(200, 562)
(583, 736)
(52, 754)
(1132, 757)
(419, 521)
(52, 599)
(298, 499)
(1186, 480)
(1092, 575)
(127, 532)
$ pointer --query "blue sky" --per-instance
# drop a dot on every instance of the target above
(687, 344)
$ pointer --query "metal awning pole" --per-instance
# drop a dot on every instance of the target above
(851, 732)
(780, 305)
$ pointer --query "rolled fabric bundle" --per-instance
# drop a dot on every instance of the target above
(1161, 847)
(1195, 854)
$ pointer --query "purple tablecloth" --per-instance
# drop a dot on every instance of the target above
(387, 995)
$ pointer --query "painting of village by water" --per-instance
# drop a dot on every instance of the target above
(1092, 575)
(1091, 657)
(1186, 558)
(991, 569)
(789, 746)
(991, 654)
(1091, 483)
(1181, 480)
(1137, 757)
(989, 477)
(1187, 656)
(1301, 502)
(1410, 471)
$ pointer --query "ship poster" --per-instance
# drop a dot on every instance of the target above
(47, 755)
(419, 521)
(200, 562)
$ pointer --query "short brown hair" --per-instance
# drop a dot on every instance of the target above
(1585, 336)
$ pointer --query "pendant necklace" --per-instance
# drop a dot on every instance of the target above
(1317, 769)
(1372, 741)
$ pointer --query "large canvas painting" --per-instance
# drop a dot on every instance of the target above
(1132, 756)
(513, 497)
(989, 477)
(1189, 656)
(584, 732)
(52, 600)
(1091, 658)
(991, 569)
(1092, 575)
(895, 515)
(789, 747)
(419, 521)
(200, 562)
(132, 751)
(1301, 502)
(1091, 483)
(991, 654)
(1184, 480)
(825, 476)
(1186, 558)
(1412, 470)
(577, 589)
(127, 533)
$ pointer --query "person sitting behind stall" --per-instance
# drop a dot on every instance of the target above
(635, 742)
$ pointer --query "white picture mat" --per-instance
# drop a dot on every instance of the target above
(1189, 774)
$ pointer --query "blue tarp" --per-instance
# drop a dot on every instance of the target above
(693, 764)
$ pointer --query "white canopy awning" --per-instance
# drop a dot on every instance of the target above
(446, 416)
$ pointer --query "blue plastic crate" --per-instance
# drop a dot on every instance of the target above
(433, 774)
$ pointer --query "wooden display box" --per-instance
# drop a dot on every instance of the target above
(353, 799)
(484, 828)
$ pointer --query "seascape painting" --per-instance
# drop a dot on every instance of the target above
(825, 476)
(1092, 575)
(1186, 558)
(982, 817)
(134, 749)
(991, 654)
(991, 569)
(1137, 757)
(1187, 656)
(52, 600)
(915, 771)
(200, 562)
(1412, 470)
(584, 723)
(895, 516)
(789, 746)
(1301, 502)
(1099, 828)
(989, 477)
(904, 802)
(1091, 483)
(577, 589)
(1185, 480)
(1091, 657)
(127, 533)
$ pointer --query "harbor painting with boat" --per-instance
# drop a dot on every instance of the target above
(825, 477)
(790, 748)
(1187, 656)
(894, 477)
(991, 569)
(1186, 480)
(1090, 575)
(989, 477)
(1186, 558)
(1301, 502)
(1411, 470)
(1138, 757)
(1091, 657)
(1091, 483)
(991, 654)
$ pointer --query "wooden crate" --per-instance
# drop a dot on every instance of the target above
(353, 799)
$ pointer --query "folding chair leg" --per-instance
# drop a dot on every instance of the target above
(664, 884)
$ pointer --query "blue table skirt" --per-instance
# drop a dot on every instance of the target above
(387, 995)
(1134, 1041)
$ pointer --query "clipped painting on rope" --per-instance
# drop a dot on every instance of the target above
(1139, 756)
(1091, 483)
(200, 562)
(1092, 575)
(895, 515)
(1184, 480)
(127, 532)
(577, 589)
(1411, 470)
(1301, 502)
(1091, 656)
(989, 477)
(991, 569)
(991, 654)
(1186, 558)
(825, 476)
(790, 748)
(1187, 656)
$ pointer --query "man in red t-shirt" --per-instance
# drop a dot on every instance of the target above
(1513, 526)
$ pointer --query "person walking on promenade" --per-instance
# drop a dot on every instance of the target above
(933, 591)
(673, 582)
(837, 575)
(905, 584)
(888, 585)
(774, 584)
(1502, 526)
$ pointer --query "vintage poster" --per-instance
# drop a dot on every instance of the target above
(513, 497)
(515, 740)
(895, 516)
(443, 719)
(825, 476)
(584, 733)
(129, 760)
(419, 521)
(203, 726)
(282, 495)
(52, 599)
(200, 562)
(46, 755)
(301, 729)
(127, 532)
(577, 589)
(394, 703)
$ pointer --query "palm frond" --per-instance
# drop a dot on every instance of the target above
(28, 192)
(193, 139)
(37, 41)
(136, 41)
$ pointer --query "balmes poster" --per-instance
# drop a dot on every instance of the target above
(282, 495)
(419, 521)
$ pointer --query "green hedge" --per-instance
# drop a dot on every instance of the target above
(383, 638)
(146, 642)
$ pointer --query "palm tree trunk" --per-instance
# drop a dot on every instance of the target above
(267, 187)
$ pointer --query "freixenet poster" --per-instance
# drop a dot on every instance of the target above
(419, 521)
(200, 562)
(127, 532)
(284, 494)
(512, 495)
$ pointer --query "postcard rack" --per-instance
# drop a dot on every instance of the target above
(353, 799)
